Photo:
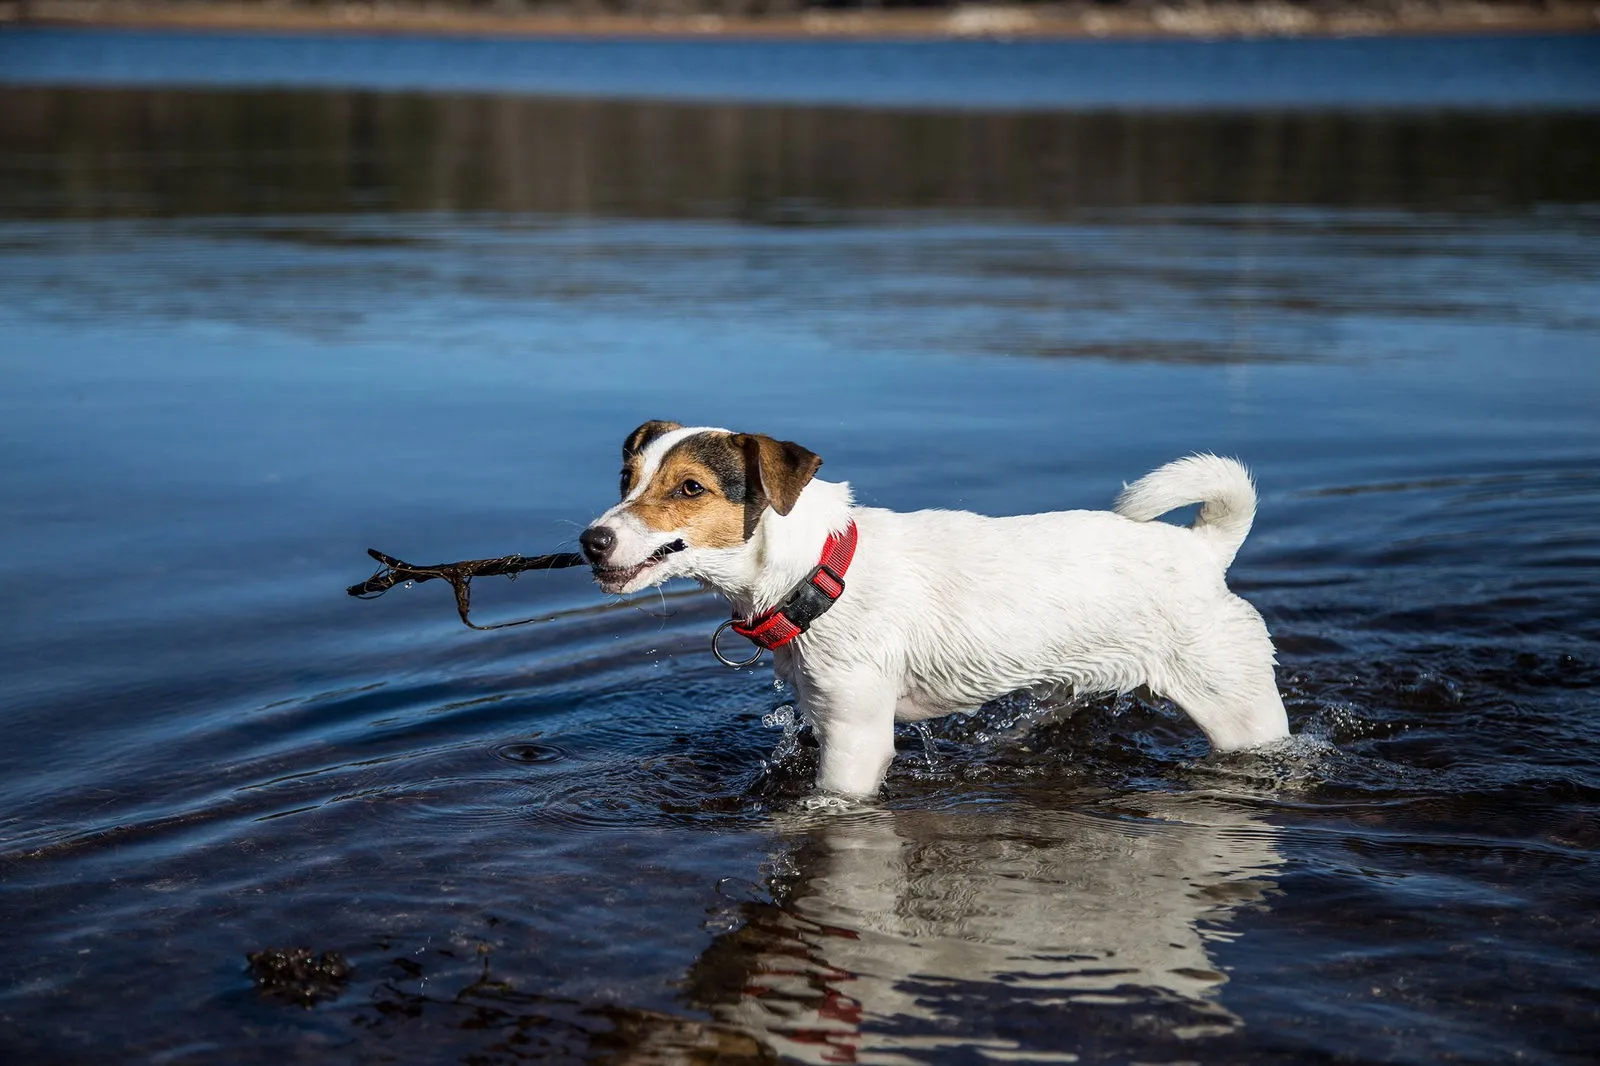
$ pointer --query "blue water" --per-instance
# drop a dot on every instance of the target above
(246, 334)
(1455, 72)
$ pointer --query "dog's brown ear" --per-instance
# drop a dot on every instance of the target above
(783, 467)
(644, 435)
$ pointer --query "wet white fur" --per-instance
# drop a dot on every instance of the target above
(945, 610)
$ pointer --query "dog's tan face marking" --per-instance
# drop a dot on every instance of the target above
(711, 487)
(633, 450)
(698, 490)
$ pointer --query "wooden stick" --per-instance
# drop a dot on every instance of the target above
(460, 575)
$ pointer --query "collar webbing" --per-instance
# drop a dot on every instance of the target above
(808, 601)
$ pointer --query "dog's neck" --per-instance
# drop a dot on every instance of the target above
(783, 549)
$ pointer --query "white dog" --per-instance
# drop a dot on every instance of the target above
(876, 616)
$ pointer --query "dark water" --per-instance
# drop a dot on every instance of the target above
(245, 334)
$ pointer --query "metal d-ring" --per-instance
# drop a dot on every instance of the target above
(723, 659)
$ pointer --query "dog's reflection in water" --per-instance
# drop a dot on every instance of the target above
(1018, 936)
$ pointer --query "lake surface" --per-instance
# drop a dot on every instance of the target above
(247, 332)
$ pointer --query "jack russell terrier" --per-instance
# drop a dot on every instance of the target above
(875, 616)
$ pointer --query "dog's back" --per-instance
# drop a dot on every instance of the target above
(975, 606)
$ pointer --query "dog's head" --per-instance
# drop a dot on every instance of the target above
(691, 497)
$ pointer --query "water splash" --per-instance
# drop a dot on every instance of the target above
(926, 733)
(784, 718)
(830, 803)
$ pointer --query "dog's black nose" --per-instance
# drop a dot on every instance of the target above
(597, 542)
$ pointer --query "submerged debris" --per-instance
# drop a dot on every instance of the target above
(294, 975)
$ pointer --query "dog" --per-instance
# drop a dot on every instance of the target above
(876, 616)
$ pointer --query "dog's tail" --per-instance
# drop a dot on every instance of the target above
(1223, 486)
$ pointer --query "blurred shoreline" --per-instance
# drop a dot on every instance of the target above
(1085, 20)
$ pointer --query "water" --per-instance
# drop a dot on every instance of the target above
(1486, 72)
(247, 333)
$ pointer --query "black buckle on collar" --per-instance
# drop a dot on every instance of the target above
(808, 602)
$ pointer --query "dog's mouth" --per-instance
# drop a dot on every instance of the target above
(615, 578)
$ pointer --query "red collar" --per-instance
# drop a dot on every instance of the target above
(809, 599)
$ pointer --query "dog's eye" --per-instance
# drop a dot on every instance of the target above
(691, 487)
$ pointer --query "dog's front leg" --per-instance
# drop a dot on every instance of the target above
(852, 717)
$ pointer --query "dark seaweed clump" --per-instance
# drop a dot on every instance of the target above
(294, 975)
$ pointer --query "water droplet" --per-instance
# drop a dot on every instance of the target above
(741, 890)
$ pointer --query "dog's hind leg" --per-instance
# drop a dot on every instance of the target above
(1224, 680)
(852, 717)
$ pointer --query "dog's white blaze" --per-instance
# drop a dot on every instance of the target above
(650, 458)
(635, 540)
